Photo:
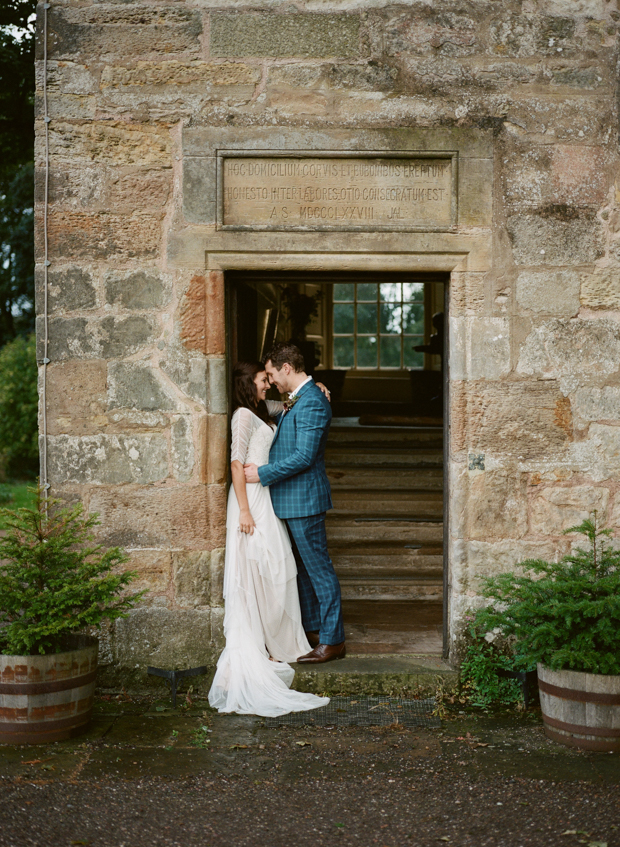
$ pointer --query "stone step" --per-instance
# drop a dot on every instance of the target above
(390, 589)
(418, 504)
(385, 435)
(343, 528)
(381, 457)
(422, 479)
(395, 675)
(400, 564)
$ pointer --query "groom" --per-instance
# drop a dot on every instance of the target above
(301, 495)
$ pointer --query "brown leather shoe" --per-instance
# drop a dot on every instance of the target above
(313, 638)
(323, 653)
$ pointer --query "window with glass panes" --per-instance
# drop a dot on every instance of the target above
(377, 325)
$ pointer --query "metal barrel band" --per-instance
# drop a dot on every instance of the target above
(48, 687)
(579, 696)
(45, 726)
(579, 729)
(582, 743)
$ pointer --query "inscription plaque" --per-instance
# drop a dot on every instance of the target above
(379, 191)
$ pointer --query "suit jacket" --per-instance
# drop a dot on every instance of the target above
(296, 471)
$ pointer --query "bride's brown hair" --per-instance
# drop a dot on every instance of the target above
(244, 390)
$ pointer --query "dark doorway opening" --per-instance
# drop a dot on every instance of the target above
(377, 341)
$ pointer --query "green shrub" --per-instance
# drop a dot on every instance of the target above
(479, 684)
(19, 449)
(565, 615)
(53, 581)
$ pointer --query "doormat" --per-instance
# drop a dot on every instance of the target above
(363, 711)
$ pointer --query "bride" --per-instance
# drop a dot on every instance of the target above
(262, 619)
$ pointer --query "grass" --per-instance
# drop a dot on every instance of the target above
(17, 495)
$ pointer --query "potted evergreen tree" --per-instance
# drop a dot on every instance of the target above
(564, 618)
(55, 584)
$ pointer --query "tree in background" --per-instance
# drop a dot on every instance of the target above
(16, 168)
(19, 450)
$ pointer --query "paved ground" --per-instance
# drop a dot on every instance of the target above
(146, 776)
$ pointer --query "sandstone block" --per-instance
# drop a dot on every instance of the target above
(98, 338)
(76, 396)
(108, 459)
(552, 293)
(108, 29)
(182, 446)
(190, 517)
(300, 35)
(579, 175)
(194, 315)
(101, 235)
(166, 638)
(114, 143)
(520, 35)
(489, 558)
(218, 558)
(552, 240)
(189, 373)
(524, 420)
(476, 192)
(66, 107)
(601, 290)
(74, 188)
(175, 73)
(589, 78)
(132, 385)
(297, 75)
(66, 77)
(497, 505)
(122, 336)
(199, 190)
(192, 579)
(479, 348)
(216, 442)
(216, 317)
(70, 289)
(577, 8)
(597, 404)
(145, 189)
(554, 509)
(569, 347)
(137, 290)
(422, 32)
(373, 76)
(154, 569)
(467, 293)
(598, 456)
(218, 387)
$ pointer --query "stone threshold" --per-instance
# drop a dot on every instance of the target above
(384, 675)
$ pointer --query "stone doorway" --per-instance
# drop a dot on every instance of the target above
(385, 455)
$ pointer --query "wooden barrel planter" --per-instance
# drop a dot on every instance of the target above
(48, 698)
(581, 709)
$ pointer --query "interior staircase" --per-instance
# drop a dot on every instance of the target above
(385, 535)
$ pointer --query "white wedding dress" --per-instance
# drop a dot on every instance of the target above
(262, 616)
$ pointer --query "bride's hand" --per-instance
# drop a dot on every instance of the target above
(325, 390)
(246, 522)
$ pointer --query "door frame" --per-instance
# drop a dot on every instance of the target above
(306, 274)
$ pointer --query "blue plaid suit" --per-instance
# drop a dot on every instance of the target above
(301, 495)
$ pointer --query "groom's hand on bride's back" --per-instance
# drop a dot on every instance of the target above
(251, 473)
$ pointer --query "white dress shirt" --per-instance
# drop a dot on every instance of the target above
(299, 387)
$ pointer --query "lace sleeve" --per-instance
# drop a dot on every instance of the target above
(241, 432)
(274, 407)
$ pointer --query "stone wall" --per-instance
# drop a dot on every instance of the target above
(136, 387)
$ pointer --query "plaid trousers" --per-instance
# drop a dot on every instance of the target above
(319, 589)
